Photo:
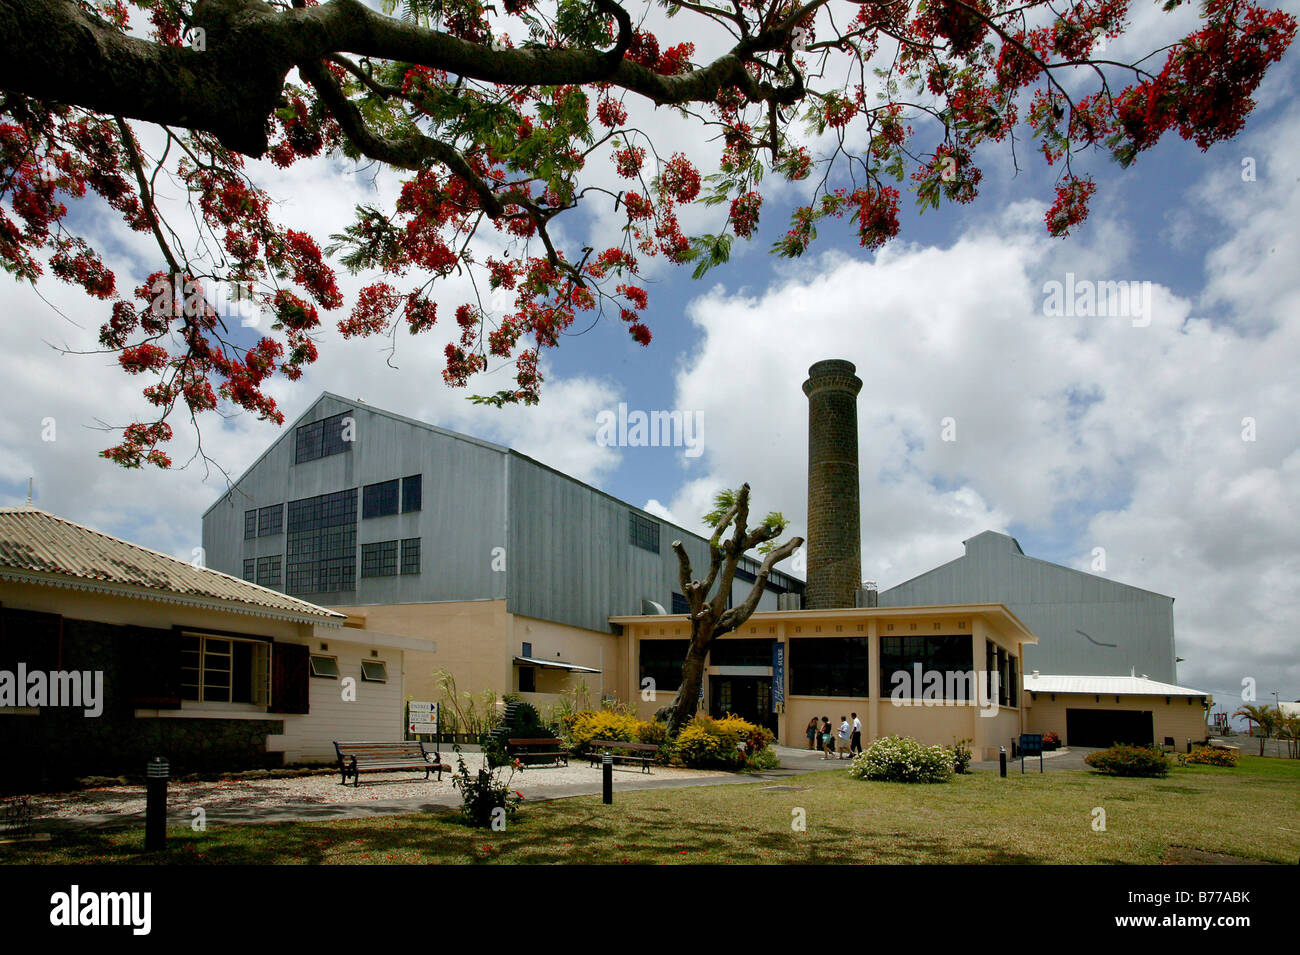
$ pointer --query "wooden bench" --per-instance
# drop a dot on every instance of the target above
(547, 748)
(371, 755)
(643, 753)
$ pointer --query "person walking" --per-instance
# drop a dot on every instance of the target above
(842, 741)
(855, 744)
(812, 733)
(827, 737)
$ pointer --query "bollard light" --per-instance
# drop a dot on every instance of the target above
(1002, 761)
(607, 778)
(156, 773)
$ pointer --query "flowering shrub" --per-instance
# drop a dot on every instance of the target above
(1205, 756)
(587, 726)
(706, 743)
(1124, 760)
(1051, 740)
(899, 759)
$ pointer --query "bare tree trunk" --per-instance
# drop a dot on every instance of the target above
(679, 712)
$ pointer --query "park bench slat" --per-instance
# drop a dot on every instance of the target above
(356, 755)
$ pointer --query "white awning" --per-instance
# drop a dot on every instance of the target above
(553, 665)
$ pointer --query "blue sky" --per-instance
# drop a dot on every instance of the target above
(1072, 433)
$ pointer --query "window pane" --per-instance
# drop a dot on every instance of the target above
(322, 438)
(270, 520)
(412, 491)
(643, 532)
(661, 661)
(411, 555)
(374, 671)
(833, 666)
(379, 500)
(250, 524)
(325, 667)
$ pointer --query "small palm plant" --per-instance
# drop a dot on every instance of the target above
(1266, 716)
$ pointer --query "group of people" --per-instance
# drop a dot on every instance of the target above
(845, 744)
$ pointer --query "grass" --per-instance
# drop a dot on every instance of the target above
(1251, 811)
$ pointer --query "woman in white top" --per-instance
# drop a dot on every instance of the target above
(842, 741)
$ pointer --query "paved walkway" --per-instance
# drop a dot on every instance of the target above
(624, 781)
(794, 762)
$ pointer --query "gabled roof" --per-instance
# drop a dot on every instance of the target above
(38, 547)
(1106, 685)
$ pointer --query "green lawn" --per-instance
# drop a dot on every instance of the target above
(1252, 811)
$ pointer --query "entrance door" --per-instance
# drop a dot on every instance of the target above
(1104, 727)
(749, 697)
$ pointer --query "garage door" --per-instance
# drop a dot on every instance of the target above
(1104, 727)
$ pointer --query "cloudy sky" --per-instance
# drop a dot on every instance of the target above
(1166, 436)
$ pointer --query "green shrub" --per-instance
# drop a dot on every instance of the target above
(1124, 760)
(764, 759)
(961, 755)
(1206, 756)
(899, 759)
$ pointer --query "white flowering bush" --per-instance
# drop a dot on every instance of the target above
(899, 759)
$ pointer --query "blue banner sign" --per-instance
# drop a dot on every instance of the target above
(778, 676)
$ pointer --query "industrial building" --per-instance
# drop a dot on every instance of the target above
(1086, 624)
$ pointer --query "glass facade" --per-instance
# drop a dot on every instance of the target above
(829, 666)
(320, 550)
(939, 654)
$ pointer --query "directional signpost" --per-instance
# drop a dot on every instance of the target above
(422, 718)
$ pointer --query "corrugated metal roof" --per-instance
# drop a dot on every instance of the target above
(36, 545)
(1106, 685)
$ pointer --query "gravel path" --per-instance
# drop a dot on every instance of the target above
(242, 795)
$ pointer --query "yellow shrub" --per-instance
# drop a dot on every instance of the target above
(603, 725)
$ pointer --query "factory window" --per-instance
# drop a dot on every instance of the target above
(379, 559)
(411, 492)
(661, 661)
(680, 605)
(830, 666)
(321, 542)
(268, 571)
(250, 524)
(250, 570)
(270, 520)
(643, 532)
(325, 437)
(948, 656)
(411, 555)
(379, 500)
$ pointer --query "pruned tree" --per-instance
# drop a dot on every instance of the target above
(710, 616)
(492, 115)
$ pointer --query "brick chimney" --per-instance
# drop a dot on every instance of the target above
(834, 531)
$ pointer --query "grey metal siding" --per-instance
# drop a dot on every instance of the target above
(1056, 603)
(462, 515)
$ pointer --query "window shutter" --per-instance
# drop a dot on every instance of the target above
(153, 668)
(289, 678)
(31, 638)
